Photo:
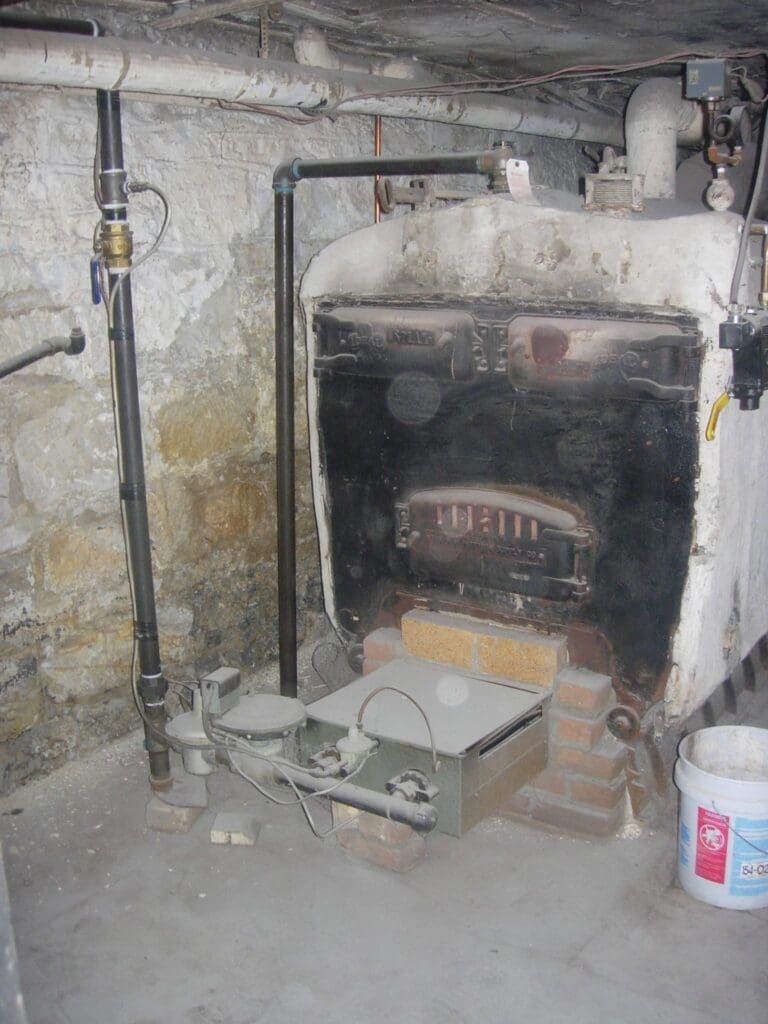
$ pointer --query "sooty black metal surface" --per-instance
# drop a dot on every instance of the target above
(629, 466)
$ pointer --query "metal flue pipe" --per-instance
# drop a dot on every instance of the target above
(116, 253)
(284, 184)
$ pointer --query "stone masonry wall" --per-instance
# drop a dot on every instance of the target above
(204, 323)
(204, 339)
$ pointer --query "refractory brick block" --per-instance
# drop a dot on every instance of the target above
(516, 654)
(527, 657)
(449, 639)
(578, 689)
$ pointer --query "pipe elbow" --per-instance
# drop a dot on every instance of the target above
(661, 99)
(424, 820)
(286, 175)
(657, 120)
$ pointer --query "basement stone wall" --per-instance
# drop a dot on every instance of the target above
(204, 325)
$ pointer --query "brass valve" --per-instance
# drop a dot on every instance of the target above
(116, 244)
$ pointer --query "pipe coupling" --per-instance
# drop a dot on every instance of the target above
(116, 244)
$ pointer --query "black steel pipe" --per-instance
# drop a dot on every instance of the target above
(284, 183)
(286, 442)
(152, 685)
(71, 346)
(362, 167)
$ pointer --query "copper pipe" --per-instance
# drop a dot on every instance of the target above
(377, 179)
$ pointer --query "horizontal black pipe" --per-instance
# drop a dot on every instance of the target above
(284, 184)
(436, 163)
(41, 22)
(71, 346)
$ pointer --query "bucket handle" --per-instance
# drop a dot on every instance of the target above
(740, 836)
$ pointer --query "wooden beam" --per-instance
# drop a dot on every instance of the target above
(207, 11)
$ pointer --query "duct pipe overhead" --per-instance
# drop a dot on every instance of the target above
(38, 58)
(658, 120)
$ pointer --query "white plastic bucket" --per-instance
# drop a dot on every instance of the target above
(722, 775)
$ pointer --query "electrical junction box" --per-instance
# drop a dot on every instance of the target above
(490, 736)
(706, 79)
(221, 690)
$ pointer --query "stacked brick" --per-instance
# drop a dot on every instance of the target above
(584, 785)
(583, 788)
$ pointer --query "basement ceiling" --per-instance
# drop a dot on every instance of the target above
(541, 35)
(493, 38)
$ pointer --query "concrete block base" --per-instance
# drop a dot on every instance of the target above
(235, 829)
(164, 817)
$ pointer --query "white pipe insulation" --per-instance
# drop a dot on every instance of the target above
(658, 119)
(310, 48)
(79, 62)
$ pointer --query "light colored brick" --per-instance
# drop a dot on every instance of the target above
(449, 639)
(516, 654)
(582, 690)
(163, 817)
(235, 829)
(526, 657)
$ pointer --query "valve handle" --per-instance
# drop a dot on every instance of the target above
(717, 407)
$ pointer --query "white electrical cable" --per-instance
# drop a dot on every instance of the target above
(140, 186)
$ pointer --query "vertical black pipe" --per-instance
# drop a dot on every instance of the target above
(284, 184)
(286, 484)
(152, 685)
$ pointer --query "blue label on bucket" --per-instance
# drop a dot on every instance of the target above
(685, 845)
(749, 862)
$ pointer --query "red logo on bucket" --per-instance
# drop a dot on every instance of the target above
(711, 845)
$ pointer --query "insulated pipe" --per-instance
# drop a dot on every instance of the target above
(422, 817)
(71, 346)
(37, 58)
(133, 496)
(284, 184)
(658, 119)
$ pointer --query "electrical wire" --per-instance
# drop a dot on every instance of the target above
(573, 72)
(300, 801)
(394, 689)
(757, 187)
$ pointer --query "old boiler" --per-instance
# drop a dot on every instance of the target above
(508, 402)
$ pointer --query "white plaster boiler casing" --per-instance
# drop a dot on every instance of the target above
(497, 248)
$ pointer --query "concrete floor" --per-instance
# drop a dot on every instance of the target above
(115, 923)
